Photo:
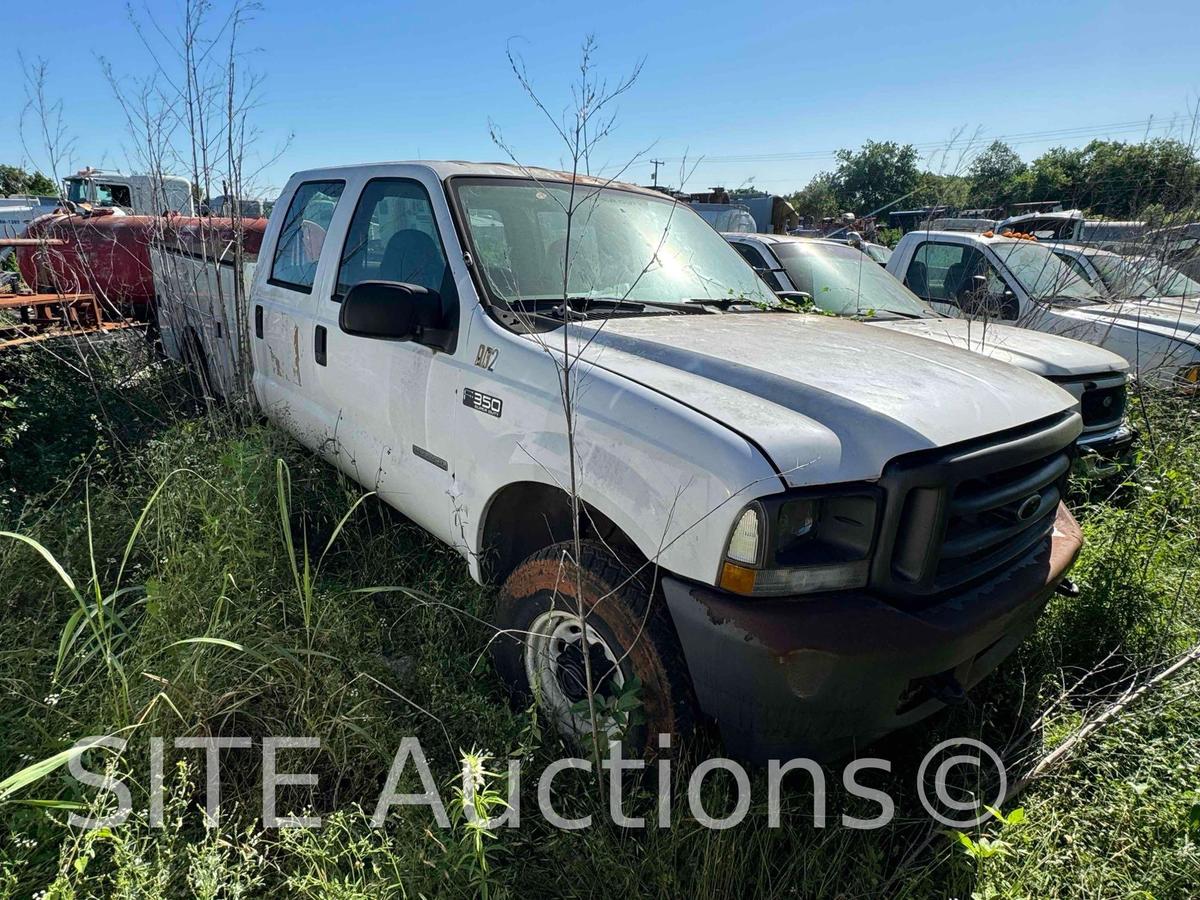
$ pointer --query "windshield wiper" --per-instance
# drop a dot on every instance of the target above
(579, 307)
(788, 301)
(876, 312)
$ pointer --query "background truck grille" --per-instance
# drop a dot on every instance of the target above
(1103, 405)
(960, 514)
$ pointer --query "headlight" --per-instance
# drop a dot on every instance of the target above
(746, 539)
(801, 544)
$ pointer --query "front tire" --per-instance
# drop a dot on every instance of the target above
(627, 633)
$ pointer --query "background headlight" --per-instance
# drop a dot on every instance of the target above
(800, 545)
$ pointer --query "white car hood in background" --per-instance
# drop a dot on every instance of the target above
(1048, 355)
(1171, 320)
(1163, 319)
(1157, 337)
(828, 400)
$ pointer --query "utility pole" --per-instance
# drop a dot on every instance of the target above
(657, 163)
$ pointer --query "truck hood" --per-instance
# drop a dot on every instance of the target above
(827, 400)
(1163, 319)
(1048, 355)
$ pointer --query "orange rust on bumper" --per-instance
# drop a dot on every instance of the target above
(824, 674)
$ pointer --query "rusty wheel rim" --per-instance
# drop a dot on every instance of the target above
(554, 668)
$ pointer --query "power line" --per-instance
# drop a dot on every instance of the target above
(1013, 139)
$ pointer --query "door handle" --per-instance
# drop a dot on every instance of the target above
(319, 346)
(258, 316)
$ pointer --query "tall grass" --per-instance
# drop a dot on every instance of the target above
(205, 576)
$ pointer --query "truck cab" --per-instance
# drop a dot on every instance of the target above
(809, 531)
(143, 195)
(1018, 280)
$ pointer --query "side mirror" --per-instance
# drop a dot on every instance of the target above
(394, 311)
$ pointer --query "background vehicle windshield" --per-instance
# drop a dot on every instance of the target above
(624, 245)
(1173, 283)
(845, 281)
(1043, 275)
(1121, 278)
(878, 252)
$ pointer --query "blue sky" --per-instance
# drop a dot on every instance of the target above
(764, 92)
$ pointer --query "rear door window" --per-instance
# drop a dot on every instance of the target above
(303, 234)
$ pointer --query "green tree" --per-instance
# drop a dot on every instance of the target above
(1120, 179)
(818, 200)
(941, 190)
(995, 176)
(15, 180)
(876, 175)
(1058, 174)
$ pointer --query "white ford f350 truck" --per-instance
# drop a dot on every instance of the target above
(810, 531)
(1021, 281)
(840, 281)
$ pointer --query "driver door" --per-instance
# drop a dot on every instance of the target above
(380, 393)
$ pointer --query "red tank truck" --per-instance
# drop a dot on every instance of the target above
(102, 253)
(109, 255)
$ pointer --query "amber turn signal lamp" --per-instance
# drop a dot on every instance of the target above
(738, 579)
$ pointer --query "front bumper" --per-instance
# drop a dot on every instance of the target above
(1105, 453)
(821, 675)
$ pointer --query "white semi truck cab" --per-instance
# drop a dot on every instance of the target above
(141, 195)
(810, 531)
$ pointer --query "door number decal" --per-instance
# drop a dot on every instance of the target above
(482, 402)
(485, 358)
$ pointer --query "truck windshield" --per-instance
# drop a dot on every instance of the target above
(1043, 275)
(624, 246)
(844, 281)
(77, 190)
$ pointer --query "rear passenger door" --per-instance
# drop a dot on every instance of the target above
(282, 304)
(378, 394)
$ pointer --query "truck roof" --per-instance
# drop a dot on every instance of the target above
(967, 236)
(1083, 249)
(445, 168)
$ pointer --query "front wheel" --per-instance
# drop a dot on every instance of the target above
(625, 633)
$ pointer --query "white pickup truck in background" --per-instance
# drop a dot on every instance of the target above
(809, 530)
(1021, 281)
(840, 281)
